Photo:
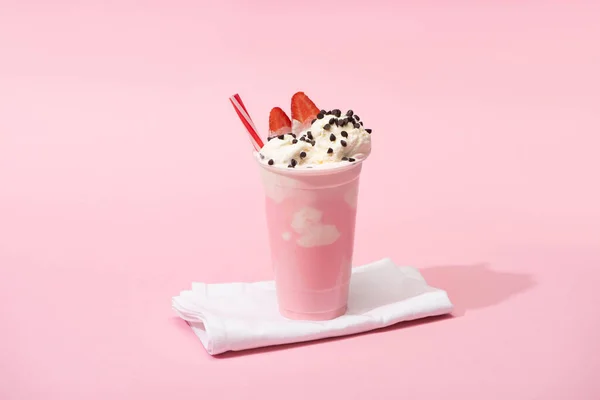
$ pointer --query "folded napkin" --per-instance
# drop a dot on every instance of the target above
(239, 316)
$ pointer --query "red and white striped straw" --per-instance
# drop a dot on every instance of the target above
(241, 111)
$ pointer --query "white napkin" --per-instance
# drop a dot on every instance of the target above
(239, 316)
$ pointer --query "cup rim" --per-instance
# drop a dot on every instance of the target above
(310, 171)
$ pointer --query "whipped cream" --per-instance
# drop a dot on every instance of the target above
(332, 139)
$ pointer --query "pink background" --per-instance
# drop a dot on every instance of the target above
(485, 170)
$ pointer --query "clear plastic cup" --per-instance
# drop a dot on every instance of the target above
(311, 217)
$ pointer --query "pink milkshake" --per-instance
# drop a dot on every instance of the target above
(311, 216)
(310, 169)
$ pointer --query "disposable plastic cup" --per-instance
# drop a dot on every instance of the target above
(311, 218)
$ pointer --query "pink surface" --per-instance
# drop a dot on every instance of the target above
(485, 174)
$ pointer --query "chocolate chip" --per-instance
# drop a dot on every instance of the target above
(344, 133)
(343, 143)
(303, 138)
(331, 121)
(269, 138)
(351, 159)
(280, 137)
(356, 117)
(293, 162)
(313, 143)
(329, 112)
(320, 115)
(327, 127)
(302, 154)
(350, 113)
(309, 134)
(332, 137)
(294, 141)
(323, 112)
(361, 123)
(293, 135)
(313, 121)
(344, 158)
(356, 125)
(369, 130)
(329, 150)
(271, 162)
(337, 112)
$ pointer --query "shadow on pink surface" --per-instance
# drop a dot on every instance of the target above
(476, 286)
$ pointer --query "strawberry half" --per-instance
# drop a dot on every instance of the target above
(279, 123)
(303, 109)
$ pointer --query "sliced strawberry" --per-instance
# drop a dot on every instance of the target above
(303, 109)
(279, 123)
